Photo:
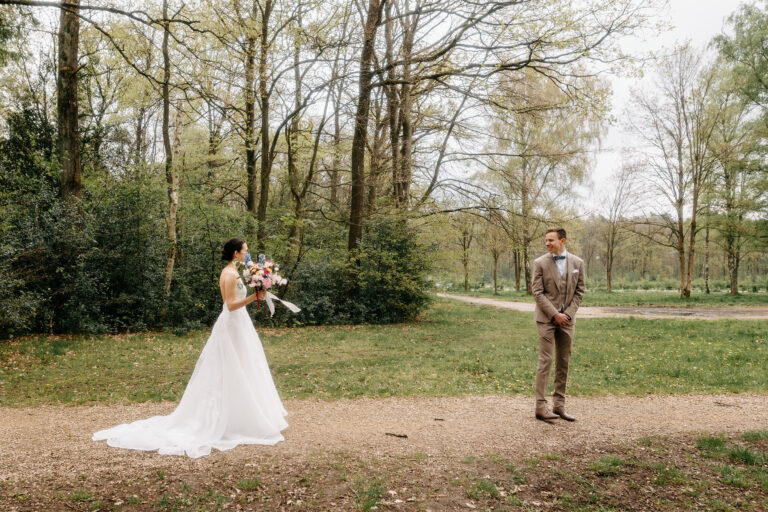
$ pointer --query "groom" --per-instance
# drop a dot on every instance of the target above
(558, 286)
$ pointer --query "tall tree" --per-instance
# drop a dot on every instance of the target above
(744, 48)
(678, 125)
(539, 153)
(465, 226)
(365, 85)
(494, 239)
(67, 102)
(614, 216)
(736, 187)
(171, 176)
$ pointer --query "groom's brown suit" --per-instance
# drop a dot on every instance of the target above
(555, 294)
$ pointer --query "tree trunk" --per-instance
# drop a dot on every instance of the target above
(67, 108)
(706, 260)
(465, 263)
(681, 247)
(170, 176)
(393, 105)
(250, 125)
(335, 174)
(691, 247)
(526, 237)
(266, 157)
(178, 170)
(609, 259)
(295, 234)
(733, 270)
(139, 143)
(495, 266)
(527, 267)
(361, 126)
(376, 157)
(406, 106)
(518, 265)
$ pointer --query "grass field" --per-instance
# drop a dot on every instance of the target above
(454, 349)
(600, 297)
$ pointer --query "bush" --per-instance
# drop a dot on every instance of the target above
(390, 274)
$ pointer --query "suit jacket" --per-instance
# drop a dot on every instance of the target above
(546, 289)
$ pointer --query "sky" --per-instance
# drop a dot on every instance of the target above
(695, 20)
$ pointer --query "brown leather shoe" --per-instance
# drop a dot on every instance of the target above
(546, 415)
(560, 411)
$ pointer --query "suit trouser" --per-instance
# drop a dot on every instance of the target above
(554, 343)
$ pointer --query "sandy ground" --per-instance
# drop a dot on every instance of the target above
(705, 313)
(42, 442)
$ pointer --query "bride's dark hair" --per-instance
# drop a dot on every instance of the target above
(231, 246)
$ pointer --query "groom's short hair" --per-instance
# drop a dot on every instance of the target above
(560, 232)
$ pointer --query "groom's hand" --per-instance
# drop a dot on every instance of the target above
(560, 319)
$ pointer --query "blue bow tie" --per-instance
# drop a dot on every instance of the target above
(556, 257)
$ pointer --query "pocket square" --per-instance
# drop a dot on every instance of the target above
(575, 271)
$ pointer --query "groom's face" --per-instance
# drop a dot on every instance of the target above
(554, 245)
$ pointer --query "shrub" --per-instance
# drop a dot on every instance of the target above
(389, 269)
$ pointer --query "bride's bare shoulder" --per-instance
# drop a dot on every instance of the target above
(227, 275)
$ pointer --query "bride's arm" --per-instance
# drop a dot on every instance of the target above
(230, 282)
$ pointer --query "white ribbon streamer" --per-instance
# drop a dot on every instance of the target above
(270, 297)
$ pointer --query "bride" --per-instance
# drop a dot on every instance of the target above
(230, 398)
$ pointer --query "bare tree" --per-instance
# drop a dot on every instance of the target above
(495, 240)
(614, 218)
(465, 225)
(678, 127)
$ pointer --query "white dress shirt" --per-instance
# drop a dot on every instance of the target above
(561, 263)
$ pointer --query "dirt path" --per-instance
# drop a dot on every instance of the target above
(700, 313)
(40, 443)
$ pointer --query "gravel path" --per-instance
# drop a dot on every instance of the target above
(705, 313)
(42, 442)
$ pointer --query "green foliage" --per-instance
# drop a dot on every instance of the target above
(389, 269)
(745, 47)
(7, 32)
(390, 273)
(100, 267)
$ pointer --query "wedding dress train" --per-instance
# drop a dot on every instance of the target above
(230, 399)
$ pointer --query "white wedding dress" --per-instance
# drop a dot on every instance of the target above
(230, 399)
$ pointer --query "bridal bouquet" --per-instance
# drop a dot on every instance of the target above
(262, 274)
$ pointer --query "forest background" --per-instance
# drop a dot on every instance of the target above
(378, 150)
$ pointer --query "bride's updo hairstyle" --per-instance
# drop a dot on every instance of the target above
(231, 246)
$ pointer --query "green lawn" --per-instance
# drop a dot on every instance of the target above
(600, 297)
(455, 349)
